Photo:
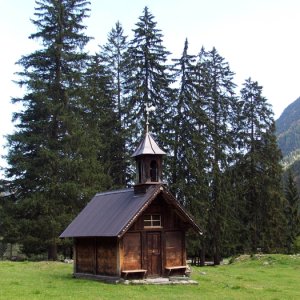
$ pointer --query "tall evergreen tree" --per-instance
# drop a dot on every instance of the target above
(292, 211)
(53, 166)
(260, 169)
(187, 168)
(147, 77)
(272, 198)
(182, 121)
(112, 54)
(217, 89)
(103, 118)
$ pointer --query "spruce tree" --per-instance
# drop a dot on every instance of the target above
(217, 88)
(260, 171)
(113, 56)
(182, 121)
(53, 166)
(102, 117)
(292, 211)
(147, 78)
(272, 197)
(187, 168)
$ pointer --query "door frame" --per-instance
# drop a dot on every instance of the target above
(160, 262)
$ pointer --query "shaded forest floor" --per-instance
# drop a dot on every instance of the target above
(260, 277)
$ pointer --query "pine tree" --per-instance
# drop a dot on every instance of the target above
(103, 121)
(272, 198)
(53, 166)
(187, 169)
(147, 78)
(216, 89)
(292, 211)
(113, 56)
(182, 122)
(260, 170)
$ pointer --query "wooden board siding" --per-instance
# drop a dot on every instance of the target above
(132, 251)
(85, 255)
(161, 246)
(170, 219)
(174, 255)
(106, 256)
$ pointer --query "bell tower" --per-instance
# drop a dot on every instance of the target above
(148, 157)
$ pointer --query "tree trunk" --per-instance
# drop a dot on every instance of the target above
(217, 255)
(202, 256)
(52, 251)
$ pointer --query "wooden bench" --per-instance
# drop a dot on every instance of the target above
(170, 269)
(142, 271)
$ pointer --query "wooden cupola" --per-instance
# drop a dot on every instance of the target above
(148, 157)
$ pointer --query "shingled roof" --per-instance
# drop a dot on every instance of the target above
(112, 213)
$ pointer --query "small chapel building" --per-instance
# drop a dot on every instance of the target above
(134, 232)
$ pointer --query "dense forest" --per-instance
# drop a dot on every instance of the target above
(83, 115)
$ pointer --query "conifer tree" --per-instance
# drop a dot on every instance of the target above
(182, 121)
(292, 211)
(272, 198)
(147, 78)
(103, 121)
(113, 56)
(187, 171)
(260, 171)
(217, 89)
(53, 166)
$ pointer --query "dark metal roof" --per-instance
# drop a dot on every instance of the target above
(112, 213)
(148, 146)
(108, 214)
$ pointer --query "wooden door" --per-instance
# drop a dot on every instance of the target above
(154, 253)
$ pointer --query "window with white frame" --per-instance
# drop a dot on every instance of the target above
(152, 221)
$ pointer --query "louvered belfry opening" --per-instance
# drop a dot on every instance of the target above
(148, 157)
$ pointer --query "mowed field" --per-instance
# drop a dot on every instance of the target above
(261, 277)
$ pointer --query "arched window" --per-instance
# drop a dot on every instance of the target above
(153, 170)
(140, 172)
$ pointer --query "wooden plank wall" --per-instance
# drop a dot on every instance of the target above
(85, 255)
(174, 249)
(132, 251)
(106, 256)
(96, 256)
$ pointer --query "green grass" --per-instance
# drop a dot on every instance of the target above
(265, 277)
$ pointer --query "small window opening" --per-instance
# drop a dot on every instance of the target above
(140, 172)
(152, 221)
(153, 170)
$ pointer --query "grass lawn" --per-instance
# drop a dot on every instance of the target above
(262, 277)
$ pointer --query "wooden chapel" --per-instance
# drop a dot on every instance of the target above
(134, 232)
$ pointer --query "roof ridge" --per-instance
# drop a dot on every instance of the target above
(115, 192)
